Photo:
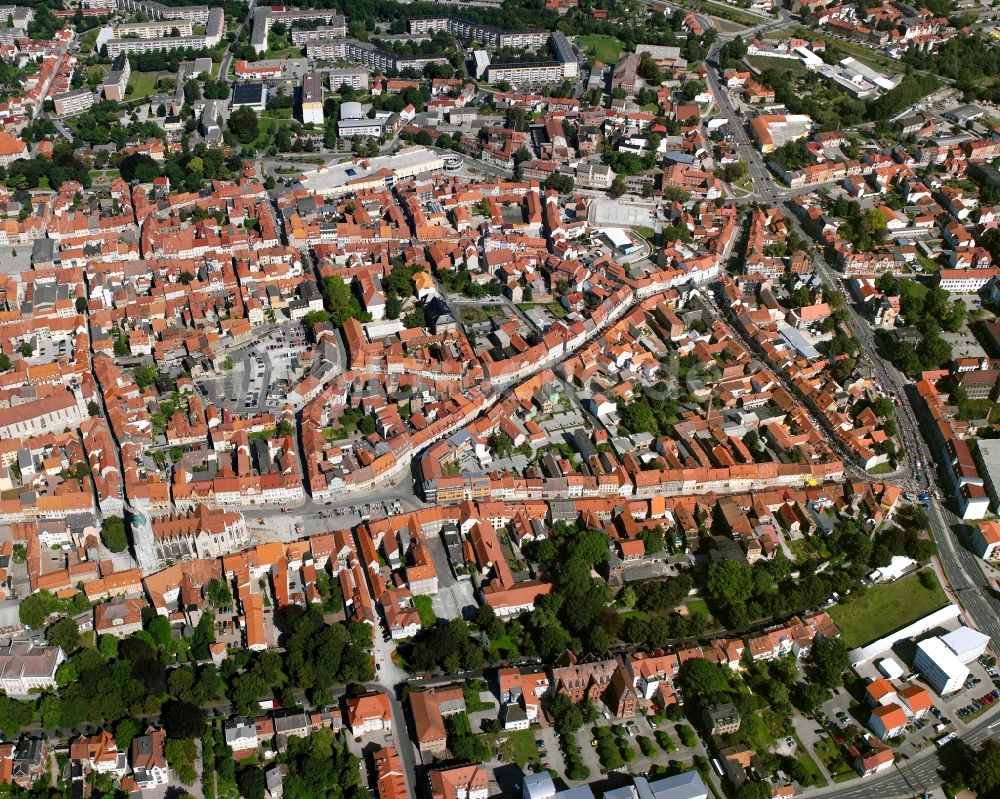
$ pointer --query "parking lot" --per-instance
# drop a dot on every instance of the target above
(622, 214)
(263, 372)
(984, 693)
(949, 714)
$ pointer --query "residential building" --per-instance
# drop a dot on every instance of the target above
(116, 81)
(368, 713)
(312, 99)
(721, 719)
(459, 782)
(148, 759)
(917, 701)
(72, 103)
(529, 74)
(11, 149)
(429, 708)
(887, 721)
(26, 666)
(240, 734)
(119, 618)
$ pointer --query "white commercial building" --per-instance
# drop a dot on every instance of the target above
(966, 643)
(940, 666)
(337, 179)
(890, 668)
(687, 785)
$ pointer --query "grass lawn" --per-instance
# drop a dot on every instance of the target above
(646, 232)
(885, 608)
(726, 12)
(278, 113)
(602, 48)
(425, 609)
(882, 468)
(800, 549)
(503, 647)
(698, 606)
(265, 129)
(914, 289)
(803, 756)
(470, 692)
(777, 64)
(472, 314)
(520, 747)
(142, 84)
(834, 761)
(285, 52)
(556, 310)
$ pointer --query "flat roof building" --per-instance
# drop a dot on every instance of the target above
(940, 666)
(312, 99)
(687, 785)
(249, 95)
(354, 77)
(74, 102)
(116, 82)
(385, 170)
(564, 53)
(966, 643)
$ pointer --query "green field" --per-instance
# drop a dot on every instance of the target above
(725, 11)
(603, 48)
(142, 84)
(781, 65)
(284, 52)
(885, 608)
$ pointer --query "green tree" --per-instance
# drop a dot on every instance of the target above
(828, 661)
(113, 534)
(340, 301)
(145, 376)
(250, 781)
(108, 647)
(159, 629)
(63, 633)
(125, 730)
(618, 187)
(730, 583)
(181, 755)
(416, 318)
(703, 680)
(244, 125)
(315, 317)
(14, 716)
(183, 720)
(754, 789)
(35, 609)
